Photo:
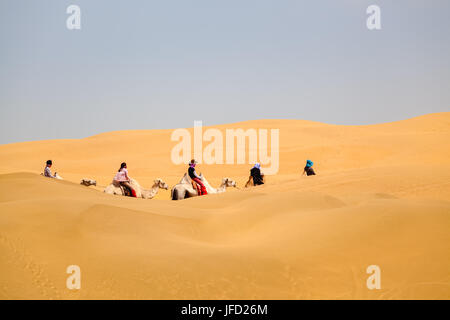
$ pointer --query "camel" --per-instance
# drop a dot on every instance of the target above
(88, 182)
(184, 188)
(140, 192)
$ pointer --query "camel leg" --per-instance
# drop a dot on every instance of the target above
(174, 194)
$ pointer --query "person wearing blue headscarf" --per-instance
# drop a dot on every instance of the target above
(308, 168)
(256, 176)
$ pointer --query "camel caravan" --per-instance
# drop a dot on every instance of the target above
(191, 184)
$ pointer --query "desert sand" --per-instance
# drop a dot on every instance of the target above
(381, 197)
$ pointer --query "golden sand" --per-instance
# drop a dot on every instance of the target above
(381, 197)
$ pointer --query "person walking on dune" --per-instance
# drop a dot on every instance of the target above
(201, 189)
(122, 179)
(47, 171)
(308, 168)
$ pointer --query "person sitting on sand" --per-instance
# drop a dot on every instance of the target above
(308, 168)
(122, 179)
(201, 189)
(256, 176)
(47, 171)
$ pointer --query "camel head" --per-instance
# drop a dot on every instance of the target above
(161, 184)
(227, 182)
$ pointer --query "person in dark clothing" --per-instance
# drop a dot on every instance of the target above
(256, 176)
(201, 189)
(308, 168)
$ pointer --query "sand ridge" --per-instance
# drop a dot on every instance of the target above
(382, 197)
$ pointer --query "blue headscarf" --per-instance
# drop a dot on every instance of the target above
(309, 163)
(257, 166)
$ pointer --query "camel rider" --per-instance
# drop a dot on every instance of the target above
(47, 171)
(256, 175)
(122, 179)
(201, 189)
(308, 168)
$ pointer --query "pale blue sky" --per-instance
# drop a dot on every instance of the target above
(163, 64)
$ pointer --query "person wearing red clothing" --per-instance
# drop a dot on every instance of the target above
(201, 189)
(122, 179)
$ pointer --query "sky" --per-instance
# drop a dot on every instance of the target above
(163, 64)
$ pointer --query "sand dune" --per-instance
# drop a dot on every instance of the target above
(382, 197)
